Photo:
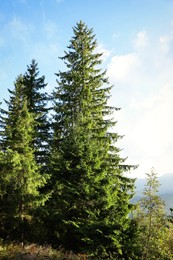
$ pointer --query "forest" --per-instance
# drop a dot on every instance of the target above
(64, 191)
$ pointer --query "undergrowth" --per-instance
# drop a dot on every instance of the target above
(33, 251)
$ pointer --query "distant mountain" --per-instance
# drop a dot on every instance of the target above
(165, 190)
(168, 199)
(166, 184)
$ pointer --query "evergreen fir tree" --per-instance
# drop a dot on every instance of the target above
(90, 203)
(20, 175)
(8, 117)
(37, 101)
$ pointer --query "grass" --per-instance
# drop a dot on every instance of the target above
(33, 251)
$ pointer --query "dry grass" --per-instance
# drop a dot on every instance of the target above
(33, 251)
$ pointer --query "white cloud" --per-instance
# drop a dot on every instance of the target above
(166, 43)
(157, 120)
(145, 93)
(141, 40)
(149, 139)
(105, 53)
(121, 67)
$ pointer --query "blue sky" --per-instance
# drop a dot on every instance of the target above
(136, 38)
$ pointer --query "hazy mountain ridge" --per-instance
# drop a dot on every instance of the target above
(165, 190)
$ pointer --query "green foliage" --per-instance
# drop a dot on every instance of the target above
(89, 209)
(32, 89)
(90, 203)
(20, 177)
(37, 103)
(152, 221)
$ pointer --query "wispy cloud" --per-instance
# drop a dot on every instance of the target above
(51, 30)
(141, 40)
(166, 42)
(24, 43)
(146, 92)
(19, 30)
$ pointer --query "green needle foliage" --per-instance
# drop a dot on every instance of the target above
(37, 100)
(90, 204)
(37, 103)
(152, 221)
(20, 177)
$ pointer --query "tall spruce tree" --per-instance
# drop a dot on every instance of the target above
(37, 101)
(20, 176)
(90, 203)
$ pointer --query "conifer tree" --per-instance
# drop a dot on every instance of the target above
(20, 175)
(90, 203)
(8, 116)
(152, 222)
(37, 101)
